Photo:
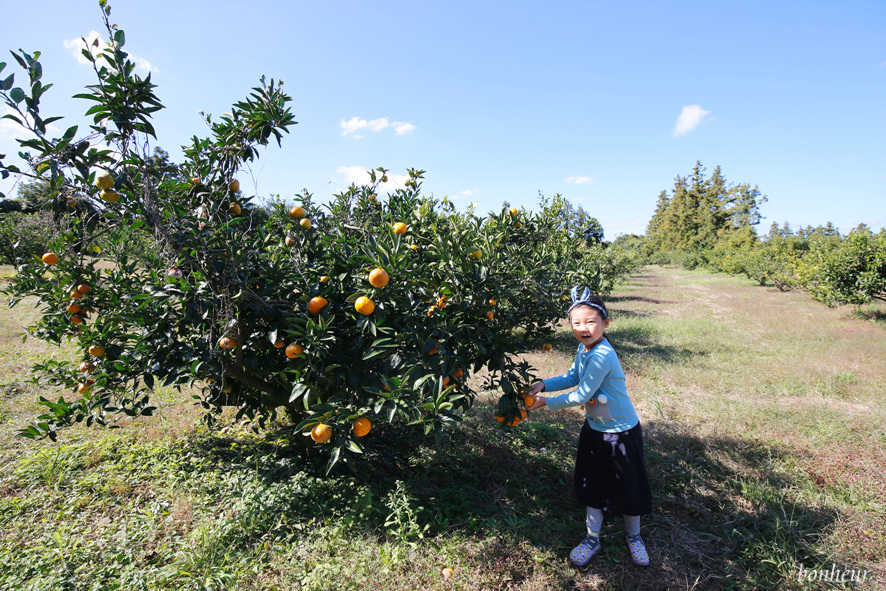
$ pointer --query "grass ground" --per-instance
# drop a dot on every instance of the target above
(765, 443)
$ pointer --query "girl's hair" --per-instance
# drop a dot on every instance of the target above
(597, 301)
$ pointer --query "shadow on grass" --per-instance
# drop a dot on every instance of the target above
(723, 517)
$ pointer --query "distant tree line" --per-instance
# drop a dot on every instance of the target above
(711, 223)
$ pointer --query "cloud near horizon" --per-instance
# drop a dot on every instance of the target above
(578, 180)
(356, 124)
(690, 117)
(76, 47)
(359, 175)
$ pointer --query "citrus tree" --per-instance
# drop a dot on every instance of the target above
(369, 308)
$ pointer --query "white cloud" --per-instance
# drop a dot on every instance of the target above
(12, 130)
(356, 124)
(359, 175)
(691, 117)
(76, 47)
(465, 194)
(578, 180)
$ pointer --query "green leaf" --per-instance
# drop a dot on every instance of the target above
(17, 95)
(120, 38)
(7, 84)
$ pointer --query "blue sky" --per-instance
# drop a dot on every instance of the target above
(604, 102)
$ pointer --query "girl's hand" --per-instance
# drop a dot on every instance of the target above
(540, 401)
(536, 388)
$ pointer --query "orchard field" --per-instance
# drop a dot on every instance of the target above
(765, 446)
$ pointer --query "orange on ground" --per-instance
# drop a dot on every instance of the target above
(96, 350)
(83, 288)
(316, 304)
(227, 343)
(362, 426)
(297, 213)
(378, 277)
(399, 228)
(364, 305)
(321, 433)
(50, 258)
(293, 351)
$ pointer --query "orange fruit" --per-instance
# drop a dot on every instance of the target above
(324, 279)
(76, 319)
(413, 246)
(548, 347)
(441, 302)
(305, 223)
(96, 350)
(476, 254)
(492, 302)
(362, 426)
(72, 203)
(499, 418)
(290, 241)
(73, 308)
(517, 225)
(83, 388)
(87, 367)
(293, 351)
(431, 310)
(490, 315)
(76, 295)
(234, 208)
(529, 400)
(196, 180)
(50, 258)
(321, 433)
(513, 211)
(378, 277)
(399, 228)
(227, 343)
(279, 343)
(445, 381)
(364, 305)
(297, 213)
(316, 304)
(83, 288)
(446, 572)
(104, 180)
(109, 195)
(234, 186)
(433, 351)
(458, 373)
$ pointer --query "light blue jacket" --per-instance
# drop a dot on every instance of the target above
(596, 372)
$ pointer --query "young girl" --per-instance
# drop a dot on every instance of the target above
(610, 477)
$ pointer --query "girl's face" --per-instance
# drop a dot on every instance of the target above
(588, 325)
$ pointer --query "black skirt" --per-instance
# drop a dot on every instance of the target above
(610, 473)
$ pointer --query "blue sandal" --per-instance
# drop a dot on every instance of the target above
(638, 550)
(581, 555)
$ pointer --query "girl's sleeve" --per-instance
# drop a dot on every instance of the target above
(599, 367)
(567, 380)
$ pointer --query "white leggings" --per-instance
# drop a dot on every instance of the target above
(595, 522)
